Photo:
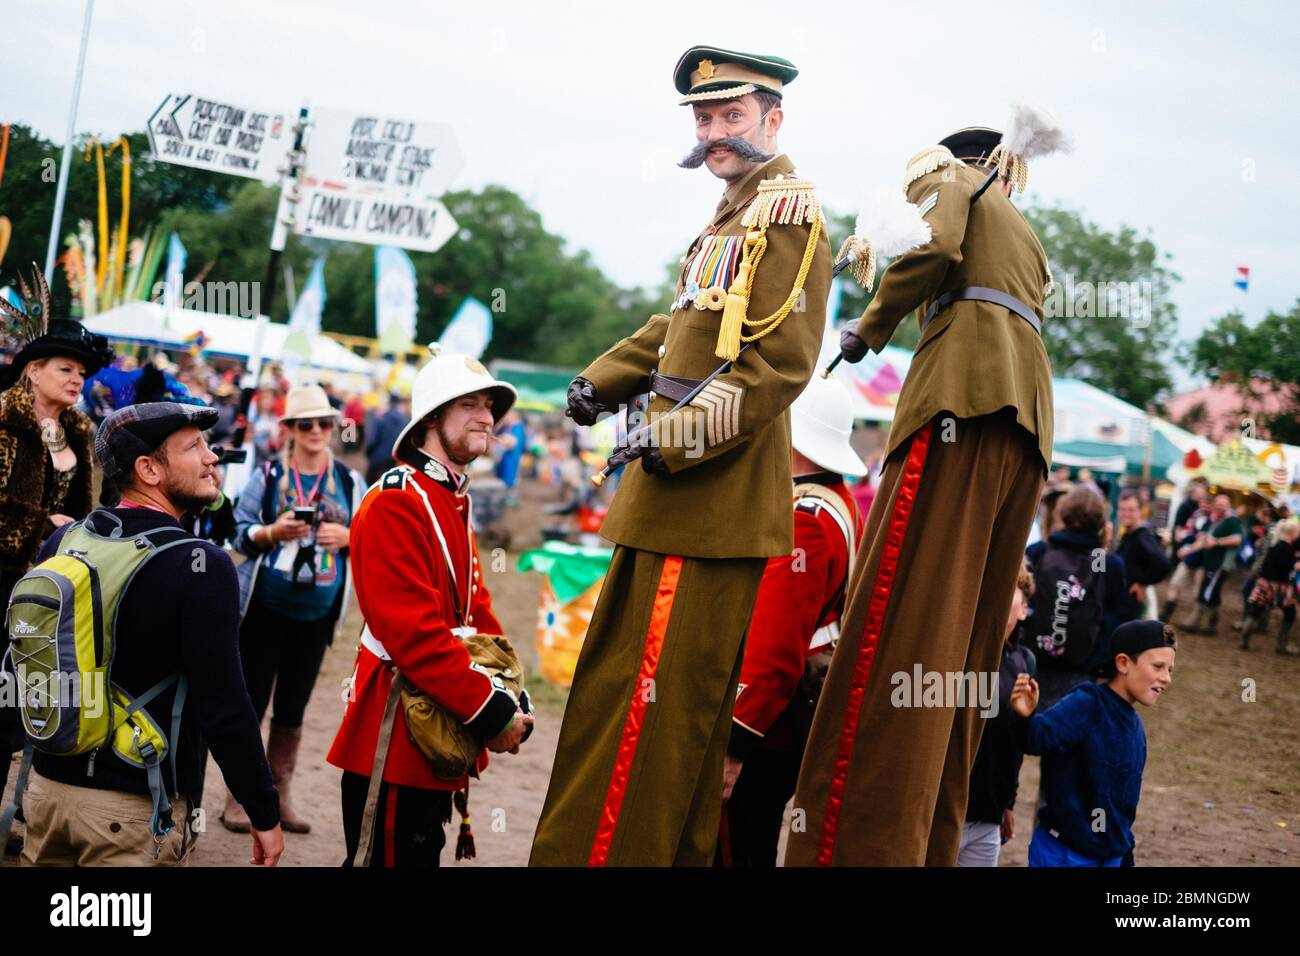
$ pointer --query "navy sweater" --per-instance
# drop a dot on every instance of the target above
(1094, 750)
(180, 614)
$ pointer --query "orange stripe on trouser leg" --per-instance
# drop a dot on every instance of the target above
(654, 643)
(875, 620)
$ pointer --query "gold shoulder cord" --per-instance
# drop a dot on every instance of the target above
(781, 201)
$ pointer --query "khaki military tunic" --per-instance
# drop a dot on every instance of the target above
(637, 778)
(885, 776)
(975, 357)
(728, 495)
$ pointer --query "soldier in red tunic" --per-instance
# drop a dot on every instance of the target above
(794, 629)
(421, 590)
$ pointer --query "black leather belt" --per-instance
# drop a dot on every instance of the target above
(672, 387)
(981, 294)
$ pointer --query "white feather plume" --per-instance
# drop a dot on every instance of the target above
(1033, 133)
(890, 223)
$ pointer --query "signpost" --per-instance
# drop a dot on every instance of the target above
(357, 178)
(375, 179)
(189, 130)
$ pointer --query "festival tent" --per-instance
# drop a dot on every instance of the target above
(1094, 429)
(542, 388)
(873, 383)
(146, 323)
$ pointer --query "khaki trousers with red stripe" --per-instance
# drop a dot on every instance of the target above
(637, 778)
(886, 785)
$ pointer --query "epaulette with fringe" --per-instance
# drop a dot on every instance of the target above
(927, 161)
(780, 201)
(783, 201)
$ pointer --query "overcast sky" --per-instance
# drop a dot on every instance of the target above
(1185, 114)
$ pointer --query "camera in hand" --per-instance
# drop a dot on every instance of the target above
(230, 456)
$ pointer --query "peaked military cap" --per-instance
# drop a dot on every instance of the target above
(973, 142)
(711, 73)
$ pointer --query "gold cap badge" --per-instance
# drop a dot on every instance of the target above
(706, 69)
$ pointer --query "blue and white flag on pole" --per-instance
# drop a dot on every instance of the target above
(395, 300)
(174, 284)
(304, 324)
(469, 331)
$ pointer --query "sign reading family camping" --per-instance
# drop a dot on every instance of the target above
(376, 179)
(221, 137)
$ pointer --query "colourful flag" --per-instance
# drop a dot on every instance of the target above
(395, 299)
(1243, 278)
(304, 324)
(174, 285)
(197, 342)
(469, 331)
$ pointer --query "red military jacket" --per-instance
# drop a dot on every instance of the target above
(797, 613)
(409, 593)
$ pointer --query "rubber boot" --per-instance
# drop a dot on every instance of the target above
(1197, 620)
(1283, 633)
(1248, 627)
(233, 817)
(282, 755)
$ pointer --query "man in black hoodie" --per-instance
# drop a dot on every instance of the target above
(1146, 562)
(179, 614)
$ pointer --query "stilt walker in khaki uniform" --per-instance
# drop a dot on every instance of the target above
(884, 782)
(637, 778)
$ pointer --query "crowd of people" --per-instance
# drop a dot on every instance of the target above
(769, 587)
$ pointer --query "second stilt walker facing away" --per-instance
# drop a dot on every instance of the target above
(884, 782)
(637, 777)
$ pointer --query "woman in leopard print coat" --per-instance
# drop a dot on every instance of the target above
(31, 487)
(45, 448)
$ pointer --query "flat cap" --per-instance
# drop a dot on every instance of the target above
(138, 430)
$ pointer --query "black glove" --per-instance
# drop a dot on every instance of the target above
(652, 461)
(623, 455)
(852, 347)
(221, 523)
(526, 705)
(583, 407)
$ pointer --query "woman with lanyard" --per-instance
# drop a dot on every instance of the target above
(291, 522)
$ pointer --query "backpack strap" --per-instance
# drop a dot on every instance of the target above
(162, 822)
(346, 484)
(272, 478)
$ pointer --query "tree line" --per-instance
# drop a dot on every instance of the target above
(554, 305)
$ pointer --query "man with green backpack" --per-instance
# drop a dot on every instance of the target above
(124, 640)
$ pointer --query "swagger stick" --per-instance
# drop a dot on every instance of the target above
(633, 438)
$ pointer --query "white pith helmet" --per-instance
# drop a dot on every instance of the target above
(821, 422)
(450, 375)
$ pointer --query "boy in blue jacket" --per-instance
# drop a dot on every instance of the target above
(1094, 749)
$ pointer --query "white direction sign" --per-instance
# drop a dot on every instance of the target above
(375, 179)
(189, 130)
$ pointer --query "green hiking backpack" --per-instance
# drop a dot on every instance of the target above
(62, 628)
